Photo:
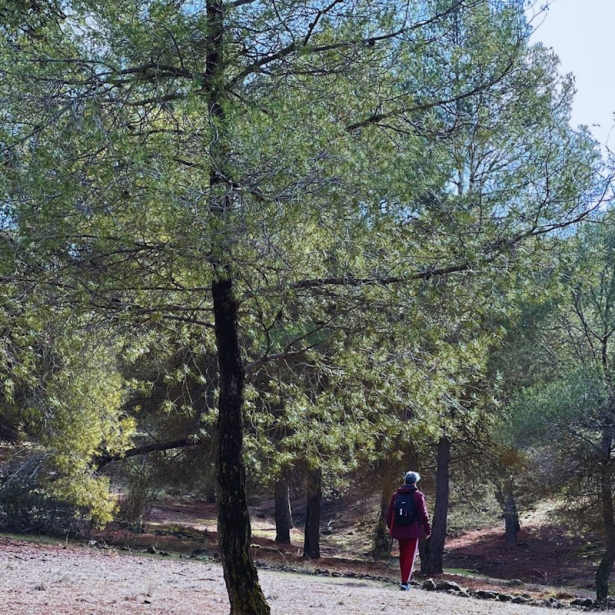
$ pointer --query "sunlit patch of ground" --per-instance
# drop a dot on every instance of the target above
(44, 579)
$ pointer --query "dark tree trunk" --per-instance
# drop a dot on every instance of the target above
(606, 564)
(602, 576)
(244, 592)
(423, 553)
(506, 499)
(435, 544)
(382, 541)
(210, 492)
(240, 574)
(283, 514)
(511, 517)
(311, 545)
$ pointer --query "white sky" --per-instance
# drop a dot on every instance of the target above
(582, 33)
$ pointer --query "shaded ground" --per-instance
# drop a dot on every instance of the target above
(547, 555)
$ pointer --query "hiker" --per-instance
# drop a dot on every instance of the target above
(407, 521)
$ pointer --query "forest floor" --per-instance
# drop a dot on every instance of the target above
(181, 574)
(546, 554)
(56, 579)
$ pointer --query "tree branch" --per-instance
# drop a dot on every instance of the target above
(104, 460)
(304, 48)
(378, 117)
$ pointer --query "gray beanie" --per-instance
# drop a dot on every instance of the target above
(412, 478)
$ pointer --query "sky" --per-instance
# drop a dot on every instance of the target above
(582, 33)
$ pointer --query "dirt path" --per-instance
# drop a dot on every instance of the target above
(42, 579)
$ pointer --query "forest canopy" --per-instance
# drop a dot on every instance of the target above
(297, 237)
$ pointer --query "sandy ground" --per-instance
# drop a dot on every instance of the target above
(43, 579)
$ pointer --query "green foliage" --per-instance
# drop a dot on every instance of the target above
(560, 412)
(61, 391)
(387, 175)
(25, 506)
(560, 416)
(139, 493)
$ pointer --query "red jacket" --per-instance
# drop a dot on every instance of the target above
(420, 527)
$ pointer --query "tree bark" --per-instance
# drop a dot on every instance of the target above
(311, 545)
(240, 575)
(511, 517)
(382, 541)
(234, 530)
(435, 544)
(606, 564)
(505, 497)
(283, 513)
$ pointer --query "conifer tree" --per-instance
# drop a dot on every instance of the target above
(163, 163)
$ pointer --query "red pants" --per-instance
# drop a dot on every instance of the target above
(408, 548)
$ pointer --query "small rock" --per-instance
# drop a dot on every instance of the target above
(584, 602)
(505, 597)
(486, 595)
(460, 594)
(164, 553)
(521, 600)
(152, 549)
(448, 585)
(429, 585)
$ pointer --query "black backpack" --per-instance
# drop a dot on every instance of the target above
(405, 508)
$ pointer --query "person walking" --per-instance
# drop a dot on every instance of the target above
(408, 521)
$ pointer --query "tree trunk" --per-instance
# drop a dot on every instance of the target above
(511, 517)
(506, 499)
(311, 545)
(283, 513)
(435, 544)
(244, 592)
(245, 595)
(606, 564)
(210, 492)
(602, 576)
(382, 541)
